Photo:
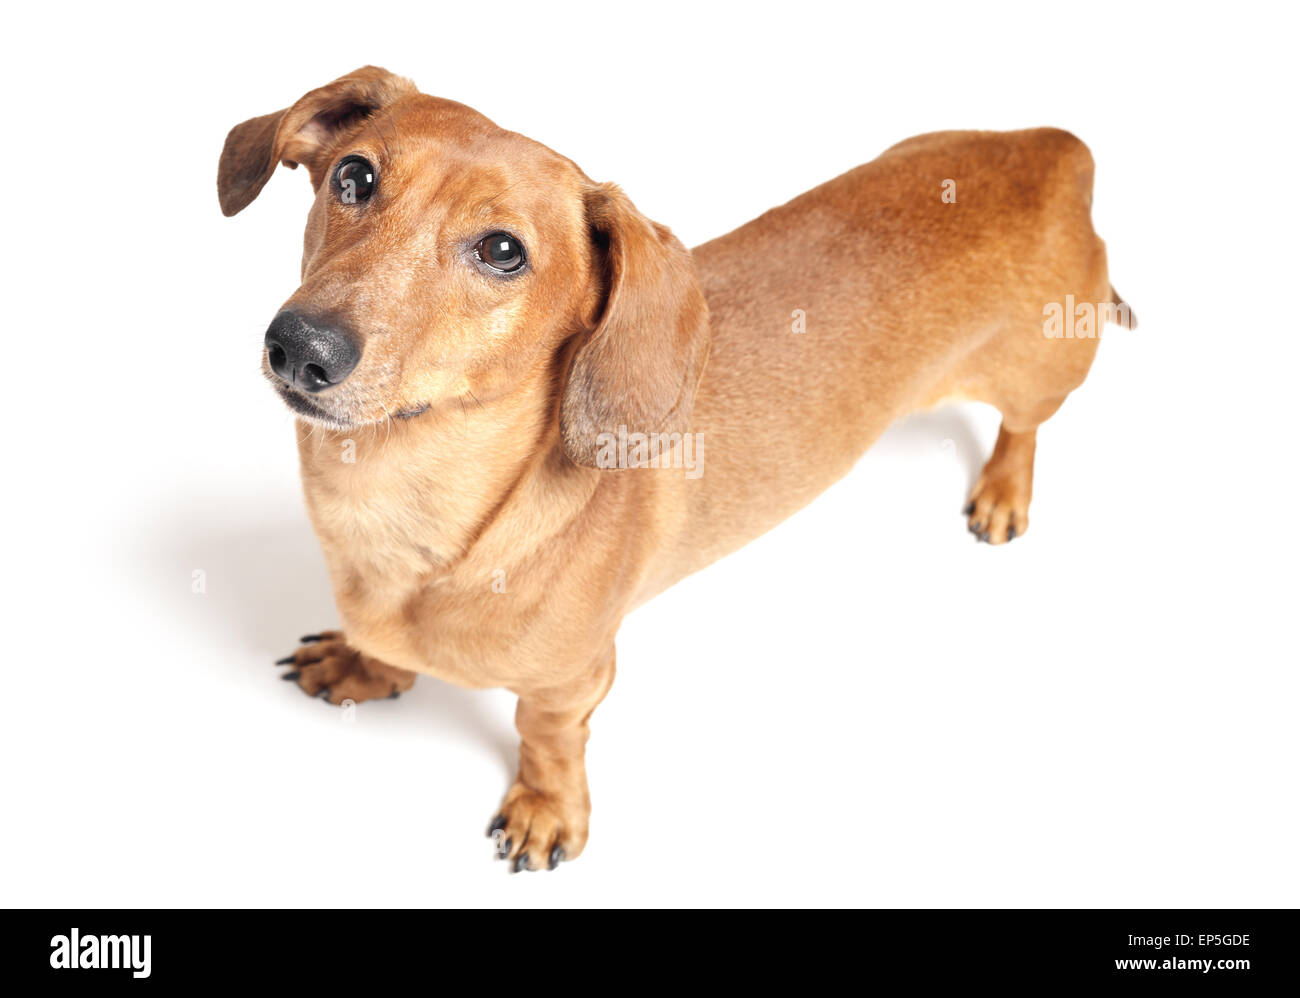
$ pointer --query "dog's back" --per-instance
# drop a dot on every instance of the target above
(920, 276)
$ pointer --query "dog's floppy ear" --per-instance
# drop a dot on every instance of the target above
(641, 364)
(301, 134)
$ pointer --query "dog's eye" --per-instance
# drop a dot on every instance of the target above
(502, 251)
(354, 180)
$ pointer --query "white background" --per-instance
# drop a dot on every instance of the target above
(864, 707)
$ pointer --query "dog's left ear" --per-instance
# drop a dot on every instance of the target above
(641, 364)
(303, 133)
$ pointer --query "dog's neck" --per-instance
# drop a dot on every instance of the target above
(457, 488)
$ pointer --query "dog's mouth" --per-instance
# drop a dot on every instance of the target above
(305, 407)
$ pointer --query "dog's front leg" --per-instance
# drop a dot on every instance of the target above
(543, 820)
(327, 665)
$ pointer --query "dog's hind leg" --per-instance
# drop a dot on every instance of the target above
(1026, 371)
(1026, 379)
(998, 509)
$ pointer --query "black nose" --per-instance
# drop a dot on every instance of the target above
(310, 355)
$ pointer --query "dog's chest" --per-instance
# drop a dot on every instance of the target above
(395, 544)
(383, 532)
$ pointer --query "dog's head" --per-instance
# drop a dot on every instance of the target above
(448, 261)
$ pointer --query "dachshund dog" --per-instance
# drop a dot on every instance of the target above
(524, 408)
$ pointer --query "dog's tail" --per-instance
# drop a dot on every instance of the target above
(1122, 314)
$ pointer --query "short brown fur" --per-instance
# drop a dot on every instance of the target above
(473, 539)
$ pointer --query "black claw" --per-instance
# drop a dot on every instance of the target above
(1011, 533)
(291, 675)
(521, 863)
(970, 508)
(984, 537)
(284, 661)
(498, 823)
(503, 849)
(394, 695)
(557, 857)
(324, 692)
(309, 638)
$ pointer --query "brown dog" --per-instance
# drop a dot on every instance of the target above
(483, 333)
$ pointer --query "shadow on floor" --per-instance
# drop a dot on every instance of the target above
(950, 431)
(265, 586)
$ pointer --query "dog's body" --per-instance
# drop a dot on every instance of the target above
(473, 539)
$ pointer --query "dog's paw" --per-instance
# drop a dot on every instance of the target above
(537, 831)
(325, 664)
(998, 510)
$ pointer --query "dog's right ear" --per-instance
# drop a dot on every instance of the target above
(304, 133)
